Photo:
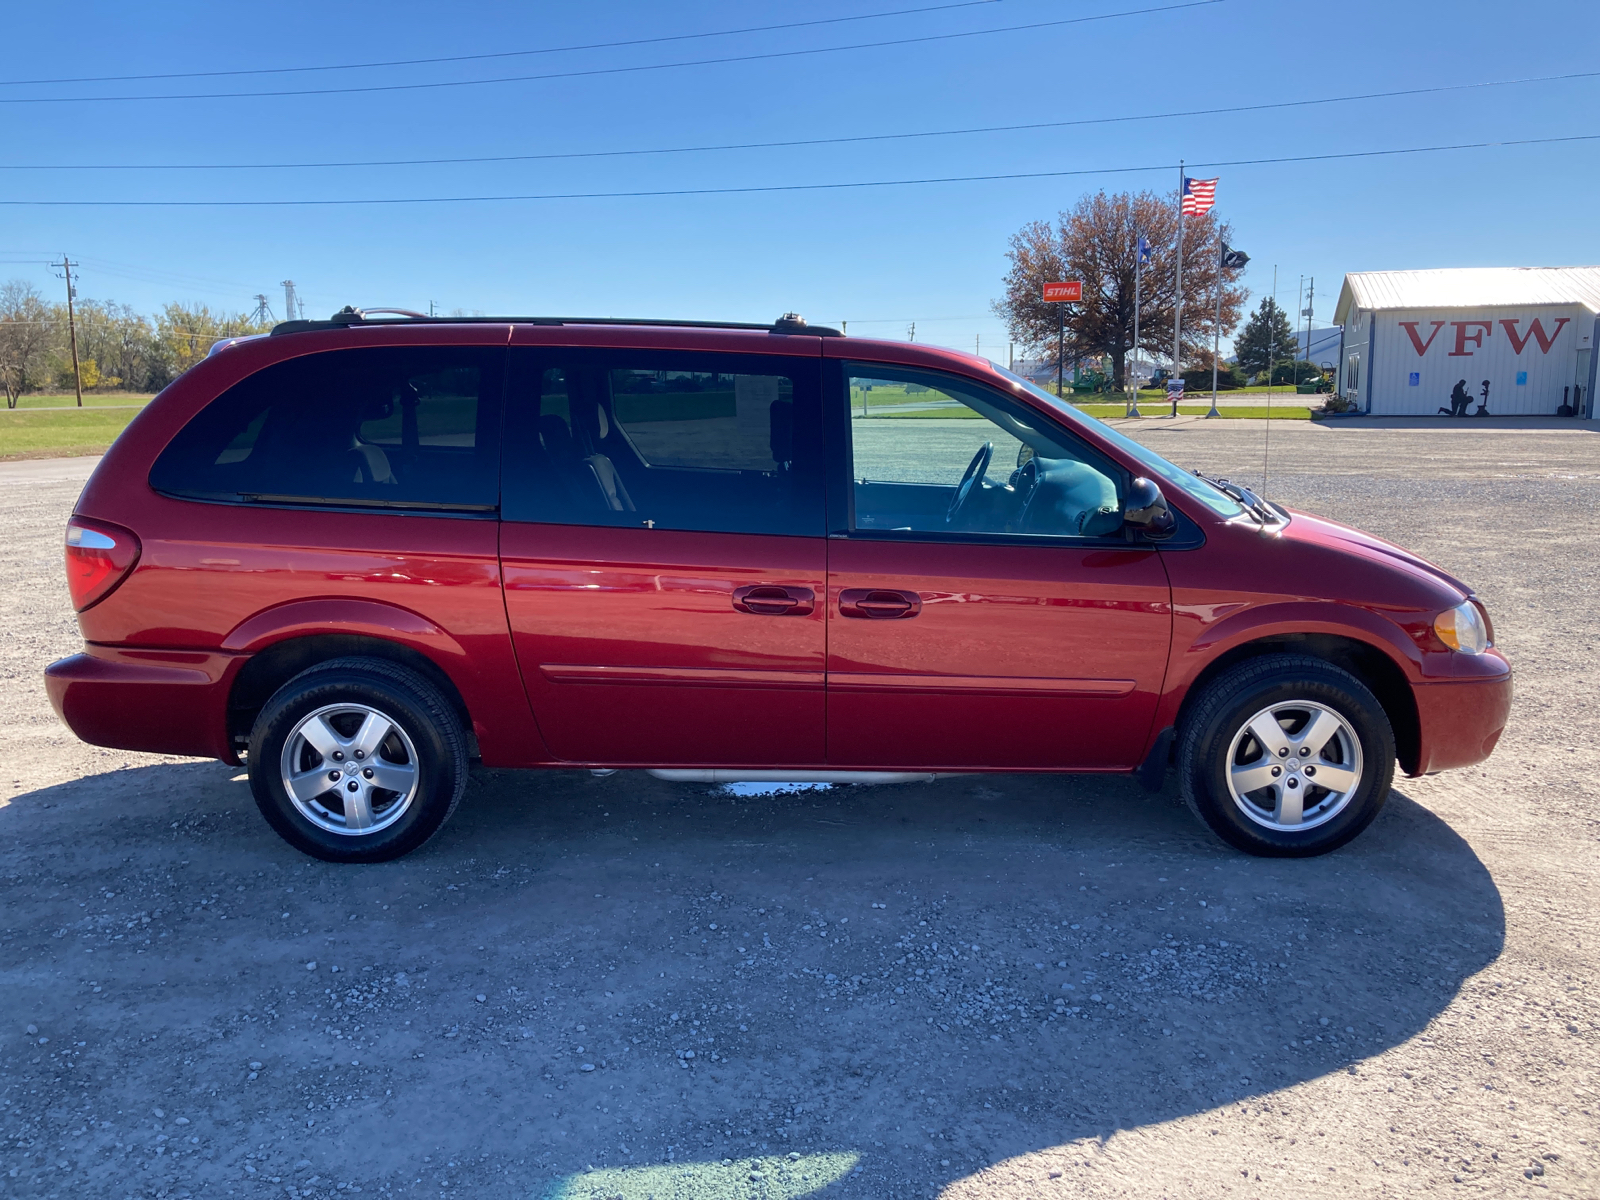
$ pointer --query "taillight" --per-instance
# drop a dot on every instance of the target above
(99, 556)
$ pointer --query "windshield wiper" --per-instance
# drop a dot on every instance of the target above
(1253, 504)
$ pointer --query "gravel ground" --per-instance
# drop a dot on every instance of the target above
(983, 987)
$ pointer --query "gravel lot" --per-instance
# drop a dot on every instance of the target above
(979, 988)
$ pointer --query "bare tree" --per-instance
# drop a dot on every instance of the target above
(27, 332)
(1097, 242)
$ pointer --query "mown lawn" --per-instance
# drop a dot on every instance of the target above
(54, 432)
(1277, 412)
(90, 400)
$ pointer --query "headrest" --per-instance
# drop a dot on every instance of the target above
(780, 425)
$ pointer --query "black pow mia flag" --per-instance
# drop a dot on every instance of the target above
(1233, 259)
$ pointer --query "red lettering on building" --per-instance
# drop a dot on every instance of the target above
(1535, 333)
(1411, 331)
(1484, 328)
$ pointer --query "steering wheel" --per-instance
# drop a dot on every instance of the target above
(974, 472)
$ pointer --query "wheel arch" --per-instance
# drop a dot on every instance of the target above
(1368, 663)
(275, 664)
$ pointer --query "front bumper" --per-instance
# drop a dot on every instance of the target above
(1459, 721)
(157, 701)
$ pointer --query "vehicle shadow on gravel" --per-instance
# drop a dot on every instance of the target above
(620, 972)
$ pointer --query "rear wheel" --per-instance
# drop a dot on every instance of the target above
(1286, 756)
(357, 760)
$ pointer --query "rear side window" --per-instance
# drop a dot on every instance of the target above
(665, 441)
(384, 428)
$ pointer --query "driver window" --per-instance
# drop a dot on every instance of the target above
(933, 453)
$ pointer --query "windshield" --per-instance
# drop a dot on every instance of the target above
(1191, 484)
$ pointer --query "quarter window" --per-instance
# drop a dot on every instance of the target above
(388, 428)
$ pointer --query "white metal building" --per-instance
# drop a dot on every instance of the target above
(1528, 333)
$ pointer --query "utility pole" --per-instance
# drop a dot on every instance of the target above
(1299, 299)
(1311, 302)
(72, 325)
(911, 332)
(431, 310)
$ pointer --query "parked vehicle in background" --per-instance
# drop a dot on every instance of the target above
(358, 553)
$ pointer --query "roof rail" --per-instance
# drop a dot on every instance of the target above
(789, 323)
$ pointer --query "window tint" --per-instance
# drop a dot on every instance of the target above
(933, 453)
(381, 427)
(665, 441)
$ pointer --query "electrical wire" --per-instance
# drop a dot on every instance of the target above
(626, 70)
(805, 142)
(349, 202)
(455, 58)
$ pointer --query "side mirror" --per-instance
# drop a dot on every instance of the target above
(1146, 511)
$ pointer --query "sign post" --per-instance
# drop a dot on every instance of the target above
(1175, 391)
(1067, 291)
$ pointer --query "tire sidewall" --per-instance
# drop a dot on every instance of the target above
(300, 697)
(1205, 760)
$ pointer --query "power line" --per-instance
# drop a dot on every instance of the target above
(804, 142)
(345, 202)
(595, 71)
(454, 58)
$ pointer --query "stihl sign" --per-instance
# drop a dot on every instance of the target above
(1068, 291)
(1468, 336)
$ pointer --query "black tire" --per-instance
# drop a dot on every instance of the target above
(1222, 711)
(425, 718)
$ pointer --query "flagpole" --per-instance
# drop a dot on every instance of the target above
(1216, 333)
(1138, 263)
(1177, 303)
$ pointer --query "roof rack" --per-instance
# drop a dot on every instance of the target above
(791, 323)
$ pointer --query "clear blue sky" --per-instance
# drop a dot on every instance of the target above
(878, 258)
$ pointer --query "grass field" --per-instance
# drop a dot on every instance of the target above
(1277, 412)
(41, 432)
(90, 400)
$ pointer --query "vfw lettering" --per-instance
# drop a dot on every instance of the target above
(1469, 335)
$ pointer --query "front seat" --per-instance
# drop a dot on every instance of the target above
(600, 467)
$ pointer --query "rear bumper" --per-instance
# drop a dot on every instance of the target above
(1459, 721)
(158, 701)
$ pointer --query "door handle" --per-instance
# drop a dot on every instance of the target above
(770, 600)
(879, 604)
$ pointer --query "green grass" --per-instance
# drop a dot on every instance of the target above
(60, 433)
(90, 399)
(1278, 412)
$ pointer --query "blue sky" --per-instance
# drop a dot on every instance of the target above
(878, 258)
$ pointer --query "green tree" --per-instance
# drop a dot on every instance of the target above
(27, 334)
(1096, 242)
(185, 333)
(1267, 337)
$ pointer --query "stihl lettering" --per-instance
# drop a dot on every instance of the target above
(1411, 331)
(1535, 333)
(1463, 336)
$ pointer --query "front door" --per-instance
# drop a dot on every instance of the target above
(985, 610)
(663, 554)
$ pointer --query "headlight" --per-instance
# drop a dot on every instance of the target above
(1463, 628)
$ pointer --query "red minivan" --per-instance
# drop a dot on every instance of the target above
(357, 553)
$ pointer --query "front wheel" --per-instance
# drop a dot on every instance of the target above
(1286, 756)
(357, 760)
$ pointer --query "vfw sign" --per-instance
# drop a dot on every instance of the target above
(1469, 335)
(1527, 356)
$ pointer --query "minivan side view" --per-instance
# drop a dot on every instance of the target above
(357, 554)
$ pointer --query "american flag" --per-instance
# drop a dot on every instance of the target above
(1198, 196)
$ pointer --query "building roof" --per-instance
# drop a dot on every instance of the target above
(1469, 287)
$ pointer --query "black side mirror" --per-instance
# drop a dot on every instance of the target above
(1146, 511)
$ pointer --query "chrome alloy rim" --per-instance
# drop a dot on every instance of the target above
(1294, 766)
(350, 769)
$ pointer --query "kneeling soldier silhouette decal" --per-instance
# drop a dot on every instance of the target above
(1460, 401)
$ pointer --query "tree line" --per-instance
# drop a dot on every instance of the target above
(118, 349)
